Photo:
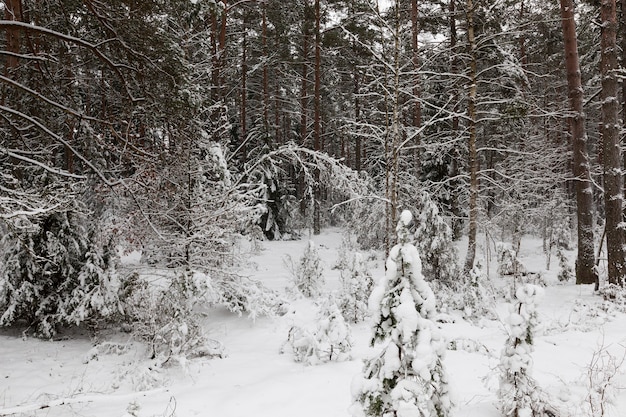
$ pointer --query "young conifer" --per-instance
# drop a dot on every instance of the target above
(407, 378)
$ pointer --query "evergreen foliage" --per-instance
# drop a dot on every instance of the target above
(518, 392)
(476, 294)
(407, 377)
(433, 238)
(308, 273)
(57, 274)
(357, 285)
(508, 262)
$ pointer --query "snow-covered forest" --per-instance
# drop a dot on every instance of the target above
(395, 208)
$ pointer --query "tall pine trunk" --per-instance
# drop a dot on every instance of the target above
(12, 11)
(244, 93)
(613, 182)
(417, 108)
(304, 102)
(585, 271)
(473, 153)
(265, 82)
(622, 32)
(317, 123)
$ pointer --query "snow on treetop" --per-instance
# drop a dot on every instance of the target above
(529, 293)
(406, 217)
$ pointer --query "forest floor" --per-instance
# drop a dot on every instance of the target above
(580, 338)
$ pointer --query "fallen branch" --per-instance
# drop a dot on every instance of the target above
(68, 401)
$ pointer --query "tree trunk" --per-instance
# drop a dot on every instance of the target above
(585, 271)
(304, 87)
(417, 108)
(454, 63)
(357, 118)
(265, 84)
(13, 11)
(317, 124)
(622, 32)
(522, 38)
(613, 183)
(244, 94)
(473, 154)
(457, 224)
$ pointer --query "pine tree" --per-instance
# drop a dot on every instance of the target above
(408, 376)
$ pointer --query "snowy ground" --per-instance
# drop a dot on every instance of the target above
(68, 378)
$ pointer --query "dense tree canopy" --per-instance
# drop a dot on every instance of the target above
(179, 124)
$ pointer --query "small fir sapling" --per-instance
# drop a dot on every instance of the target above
(357, 285)
(557, 232)
(407, 378)
(475, 295)
(308, 276)
(566, 272)
(433, 239)
(508, 262)
(344, 255)
(518, 392)
(559, 239)
(333, 333)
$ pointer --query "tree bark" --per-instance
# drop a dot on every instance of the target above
(622, 32)
(304, 106)
(13, 11)
(357, 117)
(585, 271)
(522, 38)
(317, 124)
(473, 153)
(417, 108)
(244, 93)
(265, 83)
(613, 182)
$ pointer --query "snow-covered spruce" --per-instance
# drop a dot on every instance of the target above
(57, 274)
(508, 262)
(476, 297)
(407, 378)
(308, 276)
(356, 288)
(345, 253)
(433, 238)
(518, 393)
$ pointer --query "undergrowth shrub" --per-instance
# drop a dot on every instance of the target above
(327, 338)
(242, 294)
(164, 316)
